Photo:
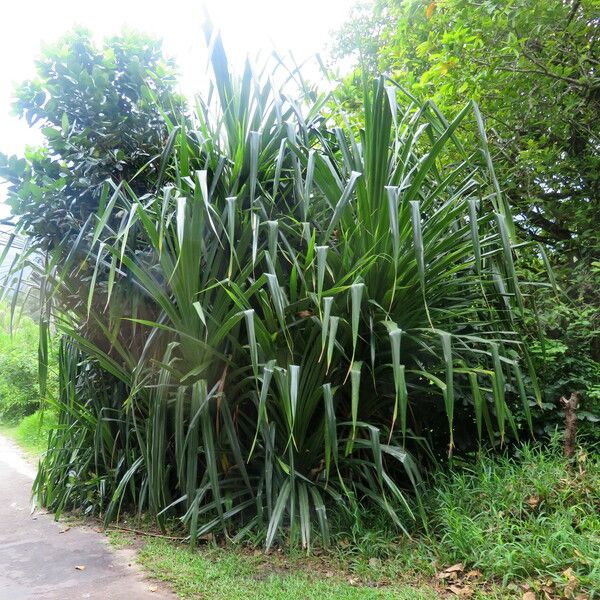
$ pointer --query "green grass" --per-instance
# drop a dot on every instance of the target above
(528, 517)
(31, 433)
(530, 520)
(232, 575)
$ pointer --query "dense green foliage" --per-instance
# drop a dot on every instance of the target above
(25, 414)
(283, 314)
(529, 522)
(19, 393)
(526, 518)
(533, 68)
(101, 116)
(530, 516)
(562, 356)
(31, 432)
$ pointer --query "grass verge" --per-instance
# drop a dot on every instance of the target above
(503, 528)
(499, 528)
(31, 433)
(533, 517)
(229, 574)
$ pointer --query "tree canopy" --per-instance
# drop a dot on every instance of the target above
(102, 112)
(532, 66)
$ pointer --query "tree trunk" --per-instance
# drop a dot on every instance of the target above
(570, 407)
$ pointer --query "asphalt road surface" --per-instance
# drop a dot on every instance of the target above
(39, 557)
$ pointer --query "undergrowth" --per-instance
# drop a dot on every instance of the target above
(232, 575)
(19, 395)
(531, 516)
(495, 529)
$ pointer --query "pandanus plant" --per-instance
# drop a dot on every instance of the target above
(297, 303)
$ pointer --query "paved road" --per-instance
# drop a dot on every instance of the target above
(37, 562)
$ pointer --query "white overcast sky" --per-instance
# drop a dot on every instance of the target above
(303, 27)
(248, 26)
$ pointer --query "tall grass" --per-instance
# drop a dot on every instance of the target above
(290, 320)
(529, 517)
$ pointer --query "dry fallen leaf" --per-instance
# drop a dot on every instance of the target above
(529, 596)
(80, 567)
(455, 568)
(464, 592)
(474, 574)
(451, 573)
(153, 588)
(429, 10)
(573, 582)
(533, 501)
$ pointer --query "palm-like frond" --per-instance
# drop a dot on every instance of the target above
(296, 304)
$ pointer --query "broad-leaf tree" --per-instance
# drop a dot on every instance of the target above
(102, 113)
(532, 66)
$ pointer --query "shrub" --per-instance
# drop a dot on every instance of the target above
(291, 316)
(564, 349)
(33, 431)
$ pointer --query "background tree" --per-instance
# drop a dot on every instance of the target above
(102, 113)
(532, 67)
